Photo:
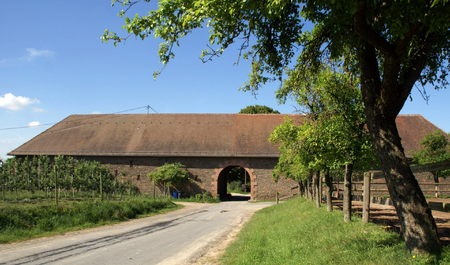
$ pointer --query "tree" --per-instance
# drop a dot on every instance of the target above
(257, 109)
(434, 148)
(332, 135)
(169, 175)
(397, 43)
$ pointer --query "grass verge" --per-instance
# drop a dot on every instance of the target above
(202, 198)
(295, 232)
(22, 222)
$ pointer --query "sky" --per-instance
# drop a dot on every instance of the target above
(53, 64)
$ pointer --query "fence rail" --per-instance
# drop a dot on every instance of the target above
(384, 183)
(368, 176)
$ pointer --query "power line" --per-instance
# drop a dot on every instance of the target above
(48, 124)
(128, 110)
(28, 126)
(149, 107)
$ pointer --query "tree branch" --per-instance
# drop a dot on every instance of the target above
(411, 73)
(368, 34)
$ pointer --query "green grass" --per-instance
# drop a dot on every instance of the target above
(202, 198)
(194, 199)
(295, 232)
(22, 221)
(235, 187)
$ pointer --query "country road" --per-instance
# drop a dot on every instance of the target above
(179, 237)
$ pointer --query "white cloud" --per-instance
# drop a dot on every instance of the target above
(11, 102)
(37, 110)
(96, 112)
(32, 53)
(5, 141)
(34, 124)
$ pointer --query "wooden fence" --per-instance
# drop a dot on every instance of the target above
(368, 176)
(357, 184)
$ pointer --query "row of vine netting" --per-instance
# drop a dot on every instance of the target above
(45, 177)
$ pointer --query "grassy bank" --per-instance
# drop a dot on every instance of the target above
(30, 220)
(296, 232)
(202, 198)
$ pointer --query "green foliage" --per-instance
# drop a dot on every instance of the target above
(170, 174)
(20, 222)
(234, 186)
(257, 109)
(237, 174)
(42, 175)
(331, 134)
(276, 26)
(434, 148)
(295, 232)
(201, 197)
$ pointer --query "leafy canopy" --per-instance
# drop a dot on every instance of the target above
(257, 109)
(275, 25)
(170, 174)
(332, 132)
(270, 32)
(434, 148)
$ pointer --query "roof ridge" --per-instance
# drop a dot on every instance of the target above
(184, 114)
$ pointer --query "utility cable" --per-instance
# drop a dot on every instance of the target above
(48, 124)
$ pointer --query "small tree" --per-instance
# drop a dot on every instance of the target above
(332, 134)
(169, 175)
(257, 109)
(434, 148)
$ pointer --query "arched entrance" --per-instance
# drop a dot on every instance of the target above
(233, 172)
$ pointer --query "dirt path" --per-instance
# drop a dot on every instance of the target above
(386, 215)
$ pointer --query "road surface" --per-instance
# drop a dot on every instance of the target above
(179, 237)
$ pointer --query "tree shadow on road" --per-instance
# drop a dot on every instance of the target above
(236, 197)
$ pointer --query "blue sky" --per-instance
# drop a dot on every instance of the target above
(53, 64)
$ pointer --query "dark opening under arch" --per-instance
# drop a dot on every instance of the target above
(229, 174)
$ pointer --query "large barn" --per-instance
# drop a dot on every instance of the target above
(210, 145)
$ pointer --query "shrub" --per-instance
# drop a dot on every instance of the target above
(235, 187)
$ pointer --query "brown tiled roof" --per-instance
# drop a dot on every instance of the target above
(180, 135)
(158, 135)
(412, 128)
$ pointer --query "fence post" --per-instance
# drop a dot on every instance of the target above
(366, 198)
(101, 190)
(337, 190)
(277, 197)
(56, 185)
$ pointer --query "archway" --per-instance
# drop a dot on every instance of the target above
(220, 183)
(229, 184)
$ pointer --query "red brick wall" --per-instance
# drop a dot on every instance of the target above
(205, 171)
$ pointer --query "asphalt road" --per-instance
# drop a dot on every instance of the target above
(179, 237)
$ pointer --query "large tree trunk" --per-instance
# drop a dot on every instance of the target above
(347, 202)
(329, 183)
(417, 224)
(382, 104)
